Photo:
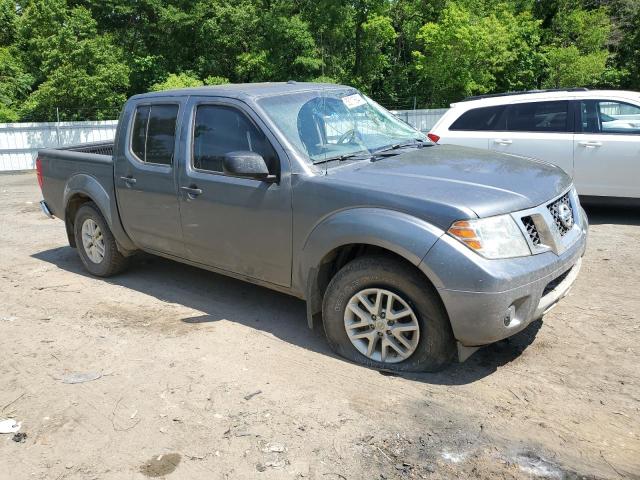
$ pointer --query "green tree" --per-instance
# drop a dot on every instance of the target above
(291, 48)
(77, 71)
(378, 37)
(215, 80)
(8, 19)
(14, 85)
(70, 54)
(578, 54)
(468, 53)
(174, 81)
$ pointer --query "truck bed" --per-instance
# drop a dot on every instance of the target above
(83, 162)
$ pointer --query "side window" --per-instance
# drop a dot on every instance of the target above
(617, 117)
(153, 136)
(481, 119)
(139, 132)
(220, 129)
(538, 117)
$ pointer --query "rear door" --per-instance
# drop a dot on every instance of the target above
(542, 130)
(474, 128)
(145, 178)
(607, 149)
(240, 225)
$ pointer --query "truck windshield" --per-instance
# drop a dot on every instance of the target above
(337, 124)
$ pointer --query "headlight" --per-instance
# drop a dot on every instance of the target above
(493, 237)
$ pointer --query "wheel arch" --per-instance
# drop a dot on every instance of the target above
(356, 232)
(83, 188)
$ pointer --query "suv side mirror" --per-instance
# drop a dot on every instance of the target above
(246, 164)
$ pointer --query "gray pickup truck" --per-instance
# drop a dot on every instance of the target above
(410, 254)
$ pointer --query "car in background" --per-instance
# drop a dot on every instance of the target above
(594, 135)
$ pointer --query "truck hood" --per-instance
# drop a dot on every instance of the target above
(459, 179)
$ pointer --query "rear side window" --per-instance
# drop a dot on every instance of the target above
(604, 116)
(221, 129)
(153, 136)
(481, 119)
(139, 133)
(538, 117)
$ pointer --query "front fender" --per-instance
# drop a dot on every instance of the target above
(400, 233)
(89, 186)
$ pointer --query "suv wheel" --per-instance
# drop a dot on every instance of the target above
(383, 314)
(96, 245)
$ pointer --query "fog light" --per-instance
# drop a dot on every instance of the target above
(508, 317)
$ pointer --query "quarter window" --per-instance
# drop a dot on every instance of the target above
(538, 117)
(153, 136)
(603, 116)
(221, 129)
(139, 133)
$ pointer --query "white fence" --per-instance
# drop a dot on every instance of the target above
(20, 142)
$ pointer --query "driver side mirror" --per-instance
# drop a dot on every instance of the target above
(246, 164)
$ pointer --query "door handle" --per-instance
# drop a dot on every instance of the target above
(503, 141)
(128, 180)
(590, 144)
(192, 192)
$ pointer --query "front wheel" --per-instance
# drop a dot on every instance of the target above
(96, 244)
(383, 313)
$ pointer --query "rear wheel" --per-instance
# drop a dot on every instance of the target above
(383, 313)
(96, 244)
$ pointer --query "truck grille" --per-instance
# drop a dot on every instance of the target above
(553, 226)
(534, 235)
(554, 209)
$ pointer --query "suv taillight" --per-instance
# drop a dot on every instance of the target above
(39, 171)
(433, 137)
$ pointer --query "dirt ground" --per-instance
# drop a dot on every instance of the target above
(205, 377)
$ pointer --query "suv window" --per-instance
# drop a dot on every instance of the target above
(220, 129)
(154, 133)
(538, 117)
(481, 119)
(605, 116)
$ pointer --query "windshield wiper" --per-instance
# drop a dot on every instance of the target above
(396, 146)
(342, 158)
(391, 149)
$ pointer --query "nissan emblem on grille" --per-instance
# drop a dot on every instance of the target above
(562, 214)
(566, 215)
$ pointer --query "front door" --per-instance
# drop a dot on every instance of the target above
(239, 225)
(607, 149)
(145, 178)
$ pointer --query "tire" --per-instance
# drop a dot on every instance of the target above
(112, 261)
(432, 345)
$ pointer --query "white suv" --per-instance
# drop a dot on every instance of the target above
(594, 135)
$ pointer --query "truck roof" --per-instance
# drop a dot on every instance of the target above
(253, 90)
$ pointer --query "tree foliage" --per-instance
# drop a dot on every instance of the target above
(82, 58)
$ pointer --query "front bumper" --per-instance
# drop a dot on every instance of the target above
(489, 300)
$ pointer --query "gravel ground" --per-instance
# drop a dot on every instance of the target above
(192, 375)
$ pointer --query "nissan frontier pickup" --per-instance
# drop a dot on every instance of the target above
(409, 254)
